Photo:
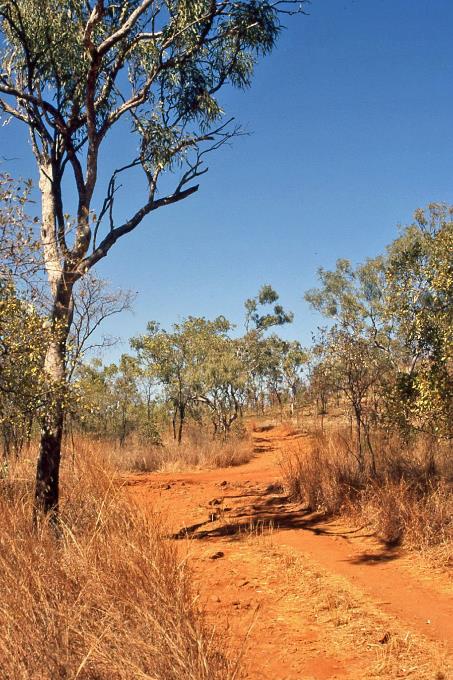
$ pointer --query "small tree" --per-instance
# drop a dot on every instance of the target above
(71, 71)
(395, 313)
(23, 341)
(355, 355)
(224, 382)
(419, 300)
(23, 332)
(110, 404)
(257, 313)
(94, 302)
(294, 362)
(180, 361)
(262, 313)
(354, 368)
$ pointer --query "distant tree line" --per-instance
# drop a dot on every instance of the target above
(384, 355)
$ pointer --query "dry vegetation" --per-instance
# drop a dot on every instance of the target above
(409, 500)
(197, 451)
(107, 599)
(348, 621)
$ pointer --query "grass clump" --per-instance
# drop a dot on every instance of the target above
(110, 599)
(197, 451)
(406, 500)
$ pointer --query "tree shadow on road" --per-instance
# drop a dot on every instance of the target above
(269, 507)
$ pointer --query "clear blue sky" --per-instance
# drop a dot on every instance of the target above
(352, 130)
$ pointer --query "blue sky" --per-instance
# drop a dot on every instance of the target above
(351, 122)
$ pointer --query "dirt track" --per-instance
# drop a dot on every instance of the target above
(315, 599)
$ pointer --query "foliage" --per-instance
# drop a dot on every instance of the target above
(281, 368)
(23, 332)
(111, 404)
(263, 320)
(23, 339)
(419, 300)
(388, 347)
(19, 249)
(181, 360)
(71, 71)
(199, 369)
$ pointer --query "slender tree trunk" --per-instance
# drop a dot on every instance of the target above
(123, 430)
(280, 404)
(175, 412)
(48, 466)
(182, 413)
(148, 409)
(366, 429)
(358, 421)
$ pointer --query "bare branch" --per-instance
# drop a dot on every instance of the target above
(104, 247)
(11, 111)
(125, 29)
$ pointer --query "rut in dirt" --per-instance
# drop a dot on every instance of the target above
(252, 497)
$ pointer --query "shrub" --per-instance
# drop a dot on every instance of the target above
(408, 500)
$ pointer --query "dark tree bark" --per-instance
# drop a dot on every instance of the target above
(48, 465)
(182, 415)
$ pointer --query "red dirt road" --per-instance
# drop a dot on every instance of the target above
(324, 600)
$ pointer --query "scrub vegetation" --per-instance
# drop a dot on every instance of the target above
(92, 585)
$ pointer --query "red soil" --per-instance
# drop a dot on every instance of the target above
(242, 578)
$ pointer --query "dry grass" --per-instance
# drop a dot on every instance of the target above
(321, 615)
(108, 600)
(197, 451)
(324, 478)
(350, 622)
(408, 501)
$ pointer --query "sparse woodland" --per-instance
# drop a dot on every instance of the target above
(374, 389)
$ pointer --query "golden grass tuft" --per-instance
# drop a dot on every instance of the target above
(409, 500)
(197, 451)
(110, 599)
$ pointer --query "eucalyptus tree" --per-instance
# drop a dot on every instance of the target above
(109, 403)
(419, 300)
(73, 70)
(354, 368)
(354, 355)
(94, 301)
(395, 312)
(262, 313)
(181, 361)
(295, 361)
(320, 385)
(355, 299)
(284, 363)
(272, 349)
(225, 378)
